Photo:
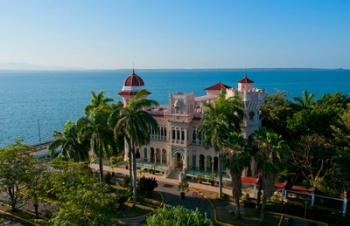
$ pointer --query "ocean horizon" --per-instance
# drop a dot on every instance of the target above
(34, 103)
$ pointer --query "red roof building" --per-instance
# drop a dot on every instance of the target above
(218, 87)
(245, 79)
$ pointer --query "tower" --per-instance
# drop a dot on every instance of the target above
(132, 84)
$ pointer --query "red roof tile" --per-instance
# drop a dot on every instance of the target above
(218, 86)
(250, 180)
(128, 92)
(302, 188)
(245, 79)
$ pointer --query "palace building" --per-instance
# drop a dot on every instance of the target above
(176, 145)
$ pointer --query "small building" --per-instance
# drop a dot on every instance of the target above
(176, 146)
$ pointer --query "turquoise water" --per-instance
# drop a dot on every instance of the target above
(51, 98)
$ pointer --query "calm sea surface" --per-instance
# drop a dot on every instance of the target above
(49, 99)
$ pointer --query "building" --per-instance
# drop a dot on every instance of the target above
(176, 146)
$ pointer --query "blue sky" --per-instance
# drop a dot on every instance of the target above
(176, 34)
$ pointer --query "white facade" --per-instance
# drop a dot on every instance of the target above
(176, 146)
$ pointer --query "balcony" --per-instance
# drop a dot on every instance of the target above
(183, 118)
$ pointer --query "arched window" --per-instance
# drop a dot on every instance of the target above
(251, 115)
(194, 162)
(137, 153)
(201, 162)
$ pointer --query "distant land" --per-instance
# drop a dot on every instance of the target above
(37, 67)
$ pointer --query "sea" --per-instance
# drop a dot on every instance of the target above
(33, 104)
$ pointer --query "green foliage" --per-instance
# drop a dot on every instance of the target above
(67, 140)
(220, 118)
(81, 198)
(147, 185)
(15, 166)
(178, 216)
(134, 125)
(126, 181)
(276, 110)
(318, 136)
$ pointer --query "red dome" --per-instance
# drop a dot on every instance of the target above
(134, 80)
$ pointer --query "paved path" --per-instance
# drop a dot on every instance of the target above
(192, 201)
(160, 178)
(169, 189)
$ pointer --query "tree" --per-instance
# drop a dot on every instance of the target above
(276, 110)
(220, 118)
(135, 125)
(94, 127)
(178, 216)
(97, 101)
(81, 199)
(237, 159)
(14, 167)
(271, 158)
(307, 101)
(34, 184)
(72, 147)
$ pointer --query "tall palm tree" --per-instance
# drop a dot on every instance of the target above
(220, 118)
(69, 143)
(94, 128)
(237, 159)
(307, 101)
(135, 125)
(271, 158)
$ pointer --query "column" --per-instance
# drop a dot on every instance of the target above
(212, 164)
(197, 160)
(185, 165)
(155, 155)
(161, 157)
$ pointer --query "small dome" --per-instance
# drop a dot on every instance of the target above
(133, 80)
(245, 79)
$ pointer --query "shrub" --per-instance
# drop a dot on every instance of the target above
(123, 198)
(147, 185)
(177, 216)
(126, 181)
(108, 178)
(248, 201)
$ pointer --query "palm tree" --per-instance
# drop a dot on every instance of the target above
(94, 128)
(271, 159)
(237, 159)
(135, 125)
(219, 119)
(307, 101)
(68, 141)
(97, 101)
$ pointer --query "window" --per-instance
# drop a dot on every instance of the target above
(194, 136)
(145, 153)
(194, 162)
(251, 115)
